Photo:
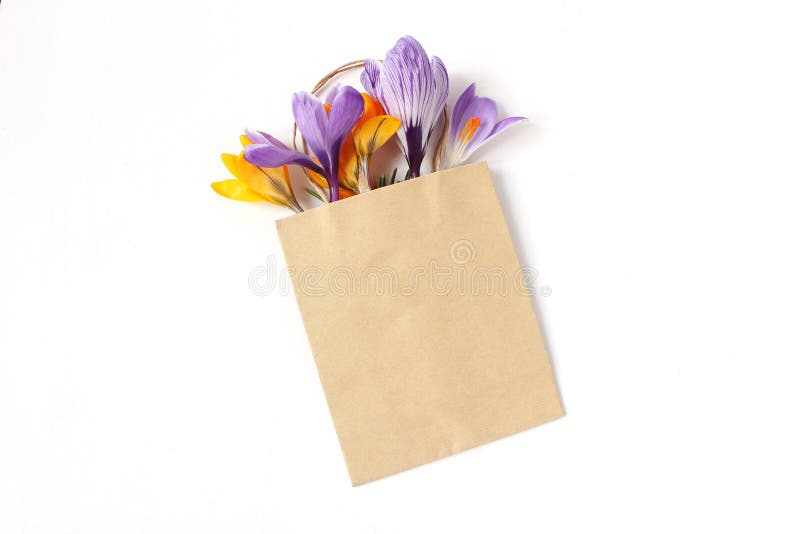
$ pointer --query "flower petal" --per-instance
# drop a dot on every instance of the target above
(318, 179)
(441, 88)
(285, 171)
(348, 164)
(265, 181)
(372, 108)
(370, 78)
(255, 137)
(375, 133)
(230, 162)
(457, 118)
(265, 155)
(236, 190)
(311, 119)
(405, 76)
(346, 109)
(504, 124)
(332, 93)
(484, 109)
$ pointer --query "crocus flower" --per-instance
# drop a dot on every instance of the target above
(473, 122)
(411, 88)
(256, 184)
(324, 130)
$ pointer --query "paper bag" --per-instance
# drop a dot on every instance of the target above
(420, 321)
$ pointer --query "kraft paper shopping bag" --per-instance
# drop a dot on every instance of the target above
(420, 321)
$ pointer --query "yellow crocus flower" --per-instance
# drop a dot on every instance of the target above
(256, 184)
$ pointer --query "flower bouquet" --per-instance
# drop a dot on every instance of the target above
(424, 336)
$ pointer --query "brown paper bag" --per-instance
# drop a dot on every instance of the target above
(420, 321)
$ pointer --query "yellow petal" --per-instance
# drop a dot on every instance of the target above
(372, 108)
(318, 179)
(230, 162)
(374, 133)
(236, 190)
(271, 183)
(348, 162)
(253, 177)
(245, 140)
(285, 171)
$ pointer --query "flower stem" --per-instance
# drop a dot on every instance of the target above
(363, 175)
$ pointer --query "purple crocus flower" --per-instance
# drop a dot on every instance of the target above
(474, 121)
(411, 88)
(323, 126)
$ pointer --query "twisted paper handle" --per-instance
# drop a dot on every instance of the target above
(357, 64)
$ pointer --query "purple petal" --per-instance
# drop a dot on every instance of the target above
(261, 138)
(406, 79)
(476, 142)
(329, 98)
(457, 118)
(255, 137)
(309, 114)
(346, 108)
(267, 155)
(441, 87)
(504, 124)
(370, 78)
(484, 109)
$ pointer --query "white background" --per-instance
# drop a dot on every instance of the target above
(145, 388)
